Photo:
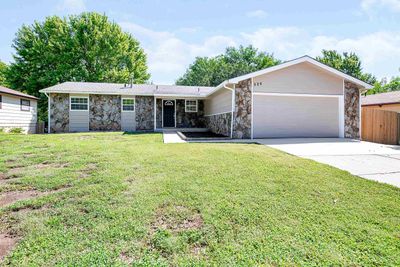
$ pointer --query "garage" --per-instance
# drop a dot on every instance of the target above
(291, 115)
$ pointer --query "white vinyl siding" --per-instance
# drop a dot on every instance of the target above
(219, 102)
(296, 116)
(302, 78)
(11, 115)
(128, 119)
(79, 119)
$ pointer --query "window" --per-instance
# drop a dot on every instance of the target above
(79, 103)
(1, 100)
(25, 105)
(128, 104)
(190, 105)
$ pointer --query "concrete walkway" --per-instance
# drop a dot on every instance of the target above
(172, 137)
(368, 160)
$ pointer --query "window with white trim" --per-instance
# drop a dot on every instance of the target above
(128, 104)
(25, 105)
(1, 100)
(79, 103)
(190, 105)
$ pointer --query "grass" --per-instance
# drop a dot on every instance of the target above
(116, 199)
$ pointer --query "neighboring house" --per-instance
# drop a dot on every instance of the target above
(17, 110)
(298, 98)
(385, 101)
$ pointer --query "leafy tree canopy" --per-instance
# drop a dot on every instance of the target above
(3, 69)
(211, 71)
(86, 47)
(384, 86)
(348, 63)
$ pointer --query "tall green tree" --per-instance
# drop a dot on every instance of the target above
(86, 47)
(348, 63)
(384, 86)
(3, 70)
(205, 71)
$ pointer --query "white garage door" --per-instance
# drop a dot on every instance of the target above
(295, 116)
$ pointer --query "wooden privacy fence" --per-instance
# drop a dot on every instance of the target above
(380, 126)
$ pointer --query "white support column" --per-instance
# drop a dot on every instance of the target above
(233, 108)
(341, 116)
(252, 105)
(155, 113)
(48, 113)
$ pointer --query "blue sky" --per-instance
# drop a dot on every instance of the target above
(174, 32)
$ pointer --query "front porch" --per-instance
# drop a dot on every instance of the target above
(177, 113)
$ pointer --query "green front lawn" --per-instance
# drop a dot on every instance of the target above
(120, 199)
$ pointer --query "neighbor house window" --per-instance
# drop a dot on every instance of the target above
(190, 105)
(25, 105)
(1, 100)
(128, 104)
(79, 103)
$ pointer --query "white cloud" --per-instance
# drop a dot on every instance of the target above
(283, 41)
(379, 51)
(370, 5)
(169, 55)
(73, 6)
(259, 13)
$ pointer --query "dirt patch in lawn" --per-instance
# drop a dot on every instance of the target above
(16, 171)
(88, 170)
(177, 219)
(7, 243)
(47, 164)
(9, 198)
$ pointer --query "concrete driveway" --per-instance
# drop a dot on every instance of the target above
(369, 160)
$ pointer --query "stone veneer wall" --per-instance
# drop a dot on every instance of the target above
(104, 113)
(351, 111)
(159, 113)
(189, 119)
(59, 113)
(144, 113)
(220, 123)
(243, 109)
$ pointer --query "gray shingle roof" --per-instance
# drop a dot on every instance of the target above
(121, 89)
(384, 98)
(9, 91)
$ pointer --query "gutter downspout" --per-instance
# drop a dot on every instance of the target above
(48, 112)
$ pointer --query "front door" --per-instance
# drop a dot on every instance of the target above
(168, 113)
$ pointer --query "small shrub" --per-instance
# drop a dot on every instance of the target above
(1, 130)
(16, 130)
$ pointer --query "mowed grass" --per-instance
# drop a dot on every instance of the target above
(128, 199)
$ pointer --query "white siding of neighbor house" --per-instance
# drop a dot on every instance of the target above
(128, 119)
(11, 115)
(302, 78)
(219, 102)
(78, 119)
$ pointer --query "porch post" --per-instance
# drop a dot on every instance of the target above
(155, 113)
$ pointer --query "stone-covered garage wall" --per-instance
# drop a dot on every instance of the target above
(220, 123)
(189, 119)
(351, 111)
(59, 113)
(104, 113)
(159, 113)
(243, 108)
(144, 113)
